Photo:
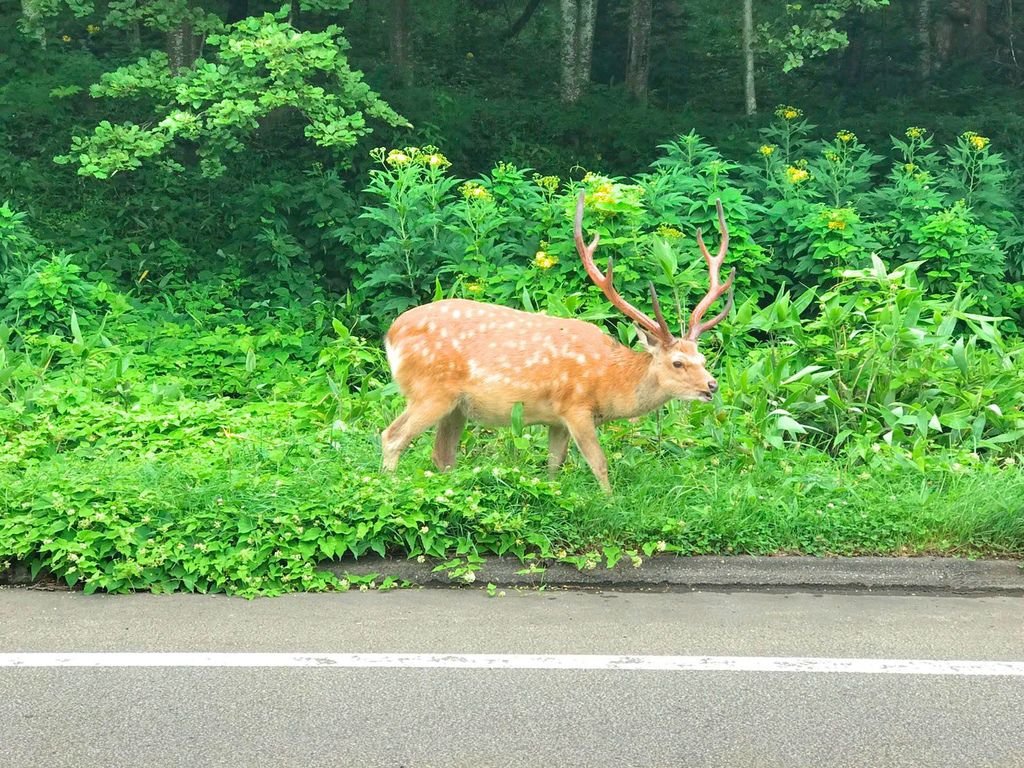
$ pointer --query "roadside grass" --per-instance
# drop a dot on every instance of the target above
(248, 498)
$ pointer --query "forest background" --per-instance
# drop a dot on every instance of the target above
(210, 213)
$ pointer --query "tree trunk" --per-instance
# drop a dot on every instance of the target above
(398, 41)
(571, 88)
(924, 39)
(977, 27)
(181, 47)
(749, 92)
(943, 50)
(578, 18)
(638, 56)
(524, 18)
(585, 42)
(851, 67)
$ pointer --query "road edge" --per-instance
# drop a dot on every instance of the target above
(735, 572)
(704, 572)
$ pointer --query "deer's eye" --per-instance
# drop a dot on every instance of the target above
(677, 363)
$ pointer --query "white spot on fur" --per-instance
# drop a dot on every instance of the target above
(456, 314)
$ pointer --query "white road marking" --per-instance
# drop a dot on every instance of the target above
(497, 661)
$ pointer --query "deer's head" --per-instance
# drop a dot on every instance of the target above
(677, 365)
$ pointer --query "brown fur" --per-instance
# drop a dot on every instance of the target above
(456, 360)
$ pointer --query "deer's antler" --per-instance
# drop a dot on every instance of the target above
(659, 329)
(717, 289)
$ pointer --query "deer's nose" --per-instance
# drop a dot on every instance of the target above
(712, 386)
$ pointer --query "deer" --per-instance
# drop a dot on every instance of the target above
(456, 360)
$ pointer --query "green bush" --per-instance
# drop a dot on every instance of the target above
(172, 421)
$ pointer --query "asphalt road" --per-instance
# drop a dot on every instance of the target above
(400, 715)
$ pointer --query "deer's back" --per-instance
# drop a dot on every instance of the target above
(491, 357)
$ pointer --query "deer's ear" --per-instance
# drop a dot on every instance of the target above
(649, 340)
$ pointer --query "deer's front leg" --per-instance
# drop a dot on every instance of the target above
(584, 433)
(417, 418)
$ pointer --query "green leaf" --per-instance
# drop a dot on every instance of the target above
(612, 555)
(666, 257)
(789, 424)
(960, 356)
(517, 419)
(76, 330)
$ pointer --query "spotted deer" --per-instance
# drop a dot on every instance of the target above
(456, 359)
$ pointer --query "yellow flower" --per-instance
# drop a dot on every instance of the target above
(437, 160)
(66, 38)
(915, 133)
(544, 260)
(976, 141)
(838, 219)
(788, 113)
(833, 157)
(909, 167)
(846, 136)
(550, 183)
(669, 233)
(473, 191)
(92, 29)
(397, 157)
(605, 193)
(796, 175)
(475, 287)
(767, 150)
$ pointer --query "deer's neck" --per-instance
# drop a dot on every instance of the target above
(634, 388)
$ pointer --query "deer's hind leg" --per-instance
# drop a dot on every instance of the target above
(558, 447)
(446, 443)
(417, 417)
